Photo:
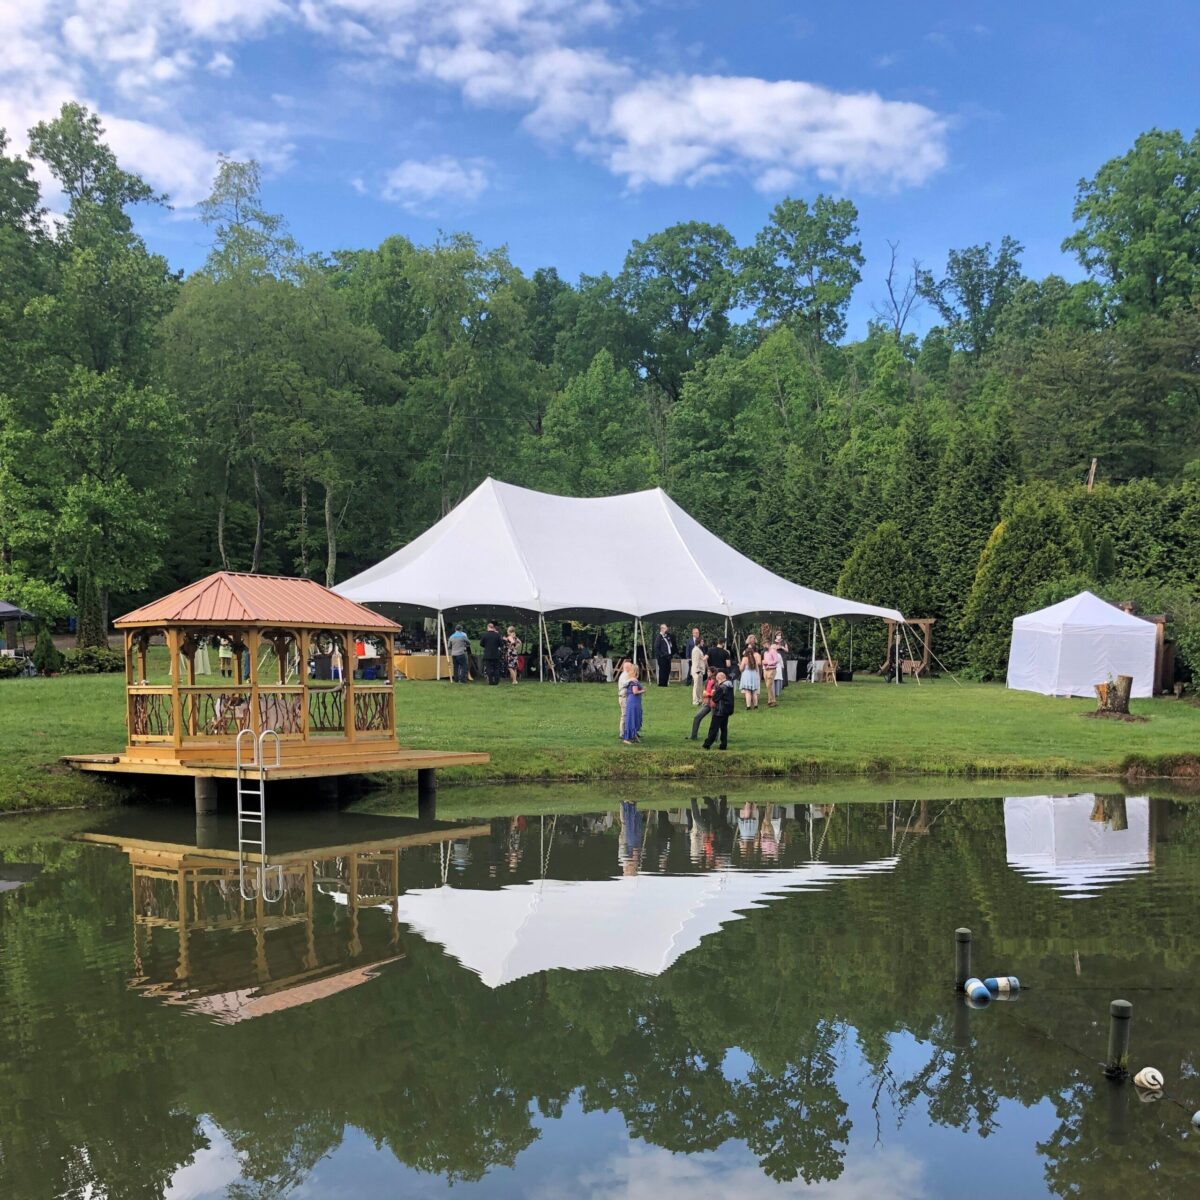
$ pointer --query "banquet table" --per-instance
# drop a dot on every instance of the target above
(421, 666)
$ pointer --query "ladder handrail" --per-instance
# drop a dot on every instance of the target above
(256, 817)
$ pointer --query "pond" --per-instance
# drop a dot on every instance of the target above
(576, 993)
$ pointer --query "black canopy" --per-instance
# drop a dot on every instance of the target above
(10, 612)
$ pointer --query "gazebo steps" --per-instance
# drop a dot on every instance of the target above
(310, 766)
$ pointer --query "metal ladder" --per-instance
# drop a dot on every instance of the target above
(252, 817)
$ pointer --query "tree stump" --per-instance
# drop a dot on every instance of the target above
(1114, 696)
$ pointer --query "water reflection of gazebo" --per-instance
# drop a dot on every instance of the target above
(294, 658)
(232, 959)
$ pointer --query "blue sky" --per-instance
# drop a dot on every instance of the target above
(565, 129)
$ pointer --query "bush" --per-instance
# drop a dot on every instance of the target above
(92, 660)
(46, 657)
(10, 668)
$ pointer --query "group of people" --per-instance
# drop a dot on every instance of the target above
(499, 653)
(713, 671)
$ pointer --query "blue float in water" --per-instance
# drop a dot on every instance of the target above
(1001, 985)
(976, 991)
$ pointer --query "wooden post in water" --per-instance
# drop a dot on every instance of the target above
(1120, 1015)
(962, 958)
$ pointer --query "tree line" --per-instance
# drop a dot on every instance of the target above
(305, 414)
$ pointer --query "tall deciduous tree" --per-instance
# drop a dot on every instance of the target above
(804, 266)
(595, 440)
(1139, 218)
(122, 454)
(679, 287)
(974, 291)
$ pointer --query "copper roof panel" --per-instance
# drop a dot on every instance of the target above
(233, 598)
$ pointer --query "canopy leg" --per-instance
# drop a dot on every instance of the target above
(851, 624)
(828, 656)
(438, 647)
(812, 674)
(541, 655)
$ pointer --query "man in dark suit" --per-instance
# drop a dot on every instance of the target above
(663, 652)
(722, 702)
(490, 644)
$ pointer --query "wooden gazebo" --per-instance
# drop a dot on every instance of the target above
(293, 657)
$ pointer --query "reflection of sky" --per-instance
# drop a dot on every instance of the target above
(211, 1170)
(590, 1154)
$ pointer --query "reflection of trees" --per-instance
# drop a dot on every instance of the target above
(446, 1073)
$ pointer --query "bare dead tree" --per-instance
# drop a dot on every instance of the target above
(902, 296)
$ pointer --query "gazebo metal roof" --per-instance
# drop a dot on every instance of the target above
(232, 598)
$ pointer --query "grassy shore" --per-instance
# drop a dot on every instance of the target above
(536, 732)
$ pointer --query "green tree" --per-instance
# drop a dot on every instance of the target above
(1138, 235)
(122, 456)
(678, 287)
(595, 439)
(974, 291)
(248, 241)
(881, 570)
(72, 145)
(1035, 542)
(804, 266)
(972, 478)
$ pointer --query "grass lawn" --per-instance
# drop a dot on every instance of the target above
(541, 732)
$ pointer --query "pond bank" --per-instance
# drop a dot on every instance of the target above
(546, 733)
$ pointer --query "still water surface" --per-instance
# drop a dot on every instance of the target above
(722, 995)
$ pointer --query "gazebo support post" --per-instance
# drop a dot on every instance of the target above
(206, 794)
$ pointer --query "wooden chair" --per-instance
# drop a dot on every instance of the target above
(829, 671)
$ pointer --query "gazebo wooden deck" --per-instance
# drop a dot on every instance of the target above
(294, 658)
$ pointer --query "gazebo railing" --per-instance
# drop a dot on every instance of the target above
(374, 709)
(327, 711)
(150, 714)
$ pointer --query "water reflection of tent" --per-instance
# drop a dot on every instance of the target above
(639, 923)
(1078, 844)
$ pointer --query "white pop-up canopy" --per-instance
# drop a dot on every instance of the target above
(1068, 648)
(639, 923)
(637, 555)
(1074, 844)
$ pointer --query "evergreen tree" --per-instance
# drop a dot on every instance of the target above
(1035, 543)
(972, 478)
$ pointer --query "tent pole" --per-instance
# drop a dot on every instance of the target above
(851, 624)
(438, 647)
(645, 652)
(828, 656)
(812, 675)
(541, 656)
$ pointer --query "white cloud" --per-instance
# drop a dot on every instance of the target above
(420, 186)
(267, 142)
(644, 1172)
(673, 130)
(534, 57)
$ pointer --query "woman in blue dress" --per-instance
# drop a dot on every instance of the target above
(633, 706)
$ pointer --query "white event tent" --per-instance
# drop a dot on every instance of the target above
(633, 556)
(1068, 648)
(1067, 842)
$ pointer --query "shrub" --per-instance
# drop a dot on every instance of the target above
(46, 657)
(92, 660)
(10, 668)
